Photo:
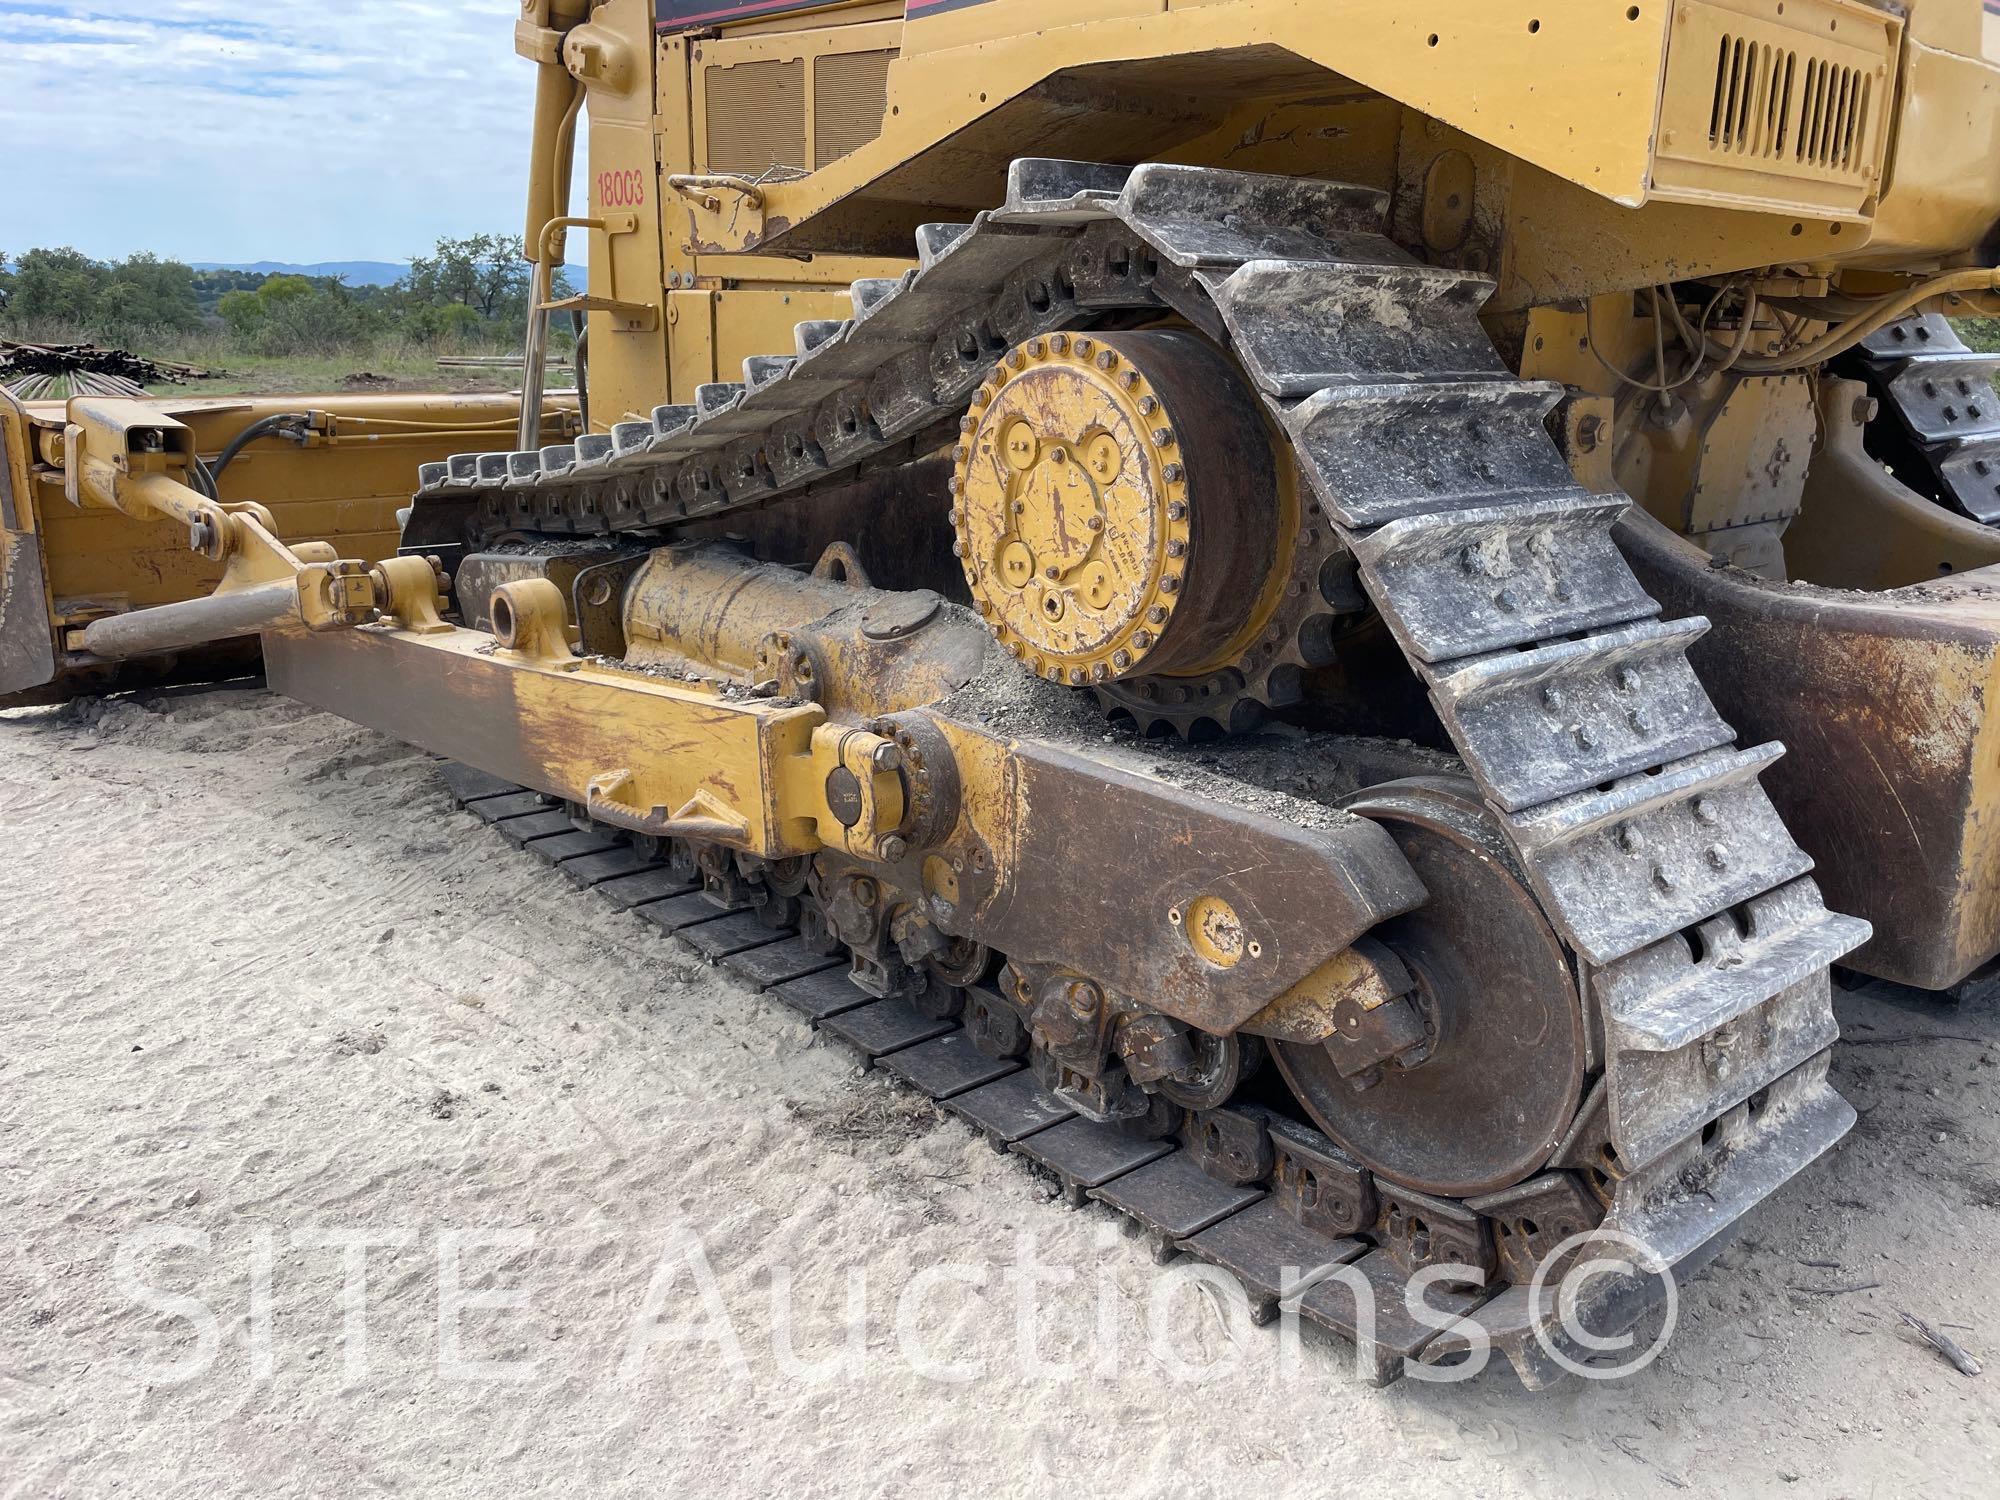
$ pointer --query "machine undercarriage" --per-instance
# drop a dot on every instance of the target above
(1171, 670)
(1572, 973)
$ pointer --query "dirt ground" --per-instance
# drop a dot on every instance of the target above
(261, 985)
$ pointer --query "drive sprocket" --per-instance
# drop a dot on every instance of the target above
(1111, 493)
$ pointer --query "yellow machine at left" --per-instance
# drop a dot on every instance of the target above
(112, 507)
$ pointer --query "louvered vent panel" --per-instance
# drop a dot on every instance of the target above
(850, 96)
(757, 117)
(1770, 106)
(1778, 105)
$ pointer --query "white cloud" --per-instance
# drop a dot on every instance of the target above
(299, 130)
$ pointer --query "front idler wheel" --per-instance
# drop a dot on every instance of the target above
(1491, 1094)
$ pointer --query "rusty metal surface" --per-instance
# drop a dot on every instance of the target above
(480, 573)
(1319, 1184)
(1532, 1220)
(27, 644)
(1259, 1194)
(27, 648)
(1888, 704)
(1133, 853)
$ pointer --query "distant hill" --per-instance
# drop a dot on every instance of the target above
(357, 272)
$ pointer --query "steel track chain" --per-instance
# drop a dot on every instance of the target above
(1940, 394)
(1703, 945)
(1261, 1196)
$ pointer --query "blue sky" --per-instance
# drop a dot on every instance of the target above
(237, 130)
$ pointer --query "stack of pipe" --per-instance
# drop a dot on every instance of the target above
(47, 372)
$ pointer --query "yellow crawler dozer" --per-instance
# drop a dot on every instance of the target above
(1321, 618)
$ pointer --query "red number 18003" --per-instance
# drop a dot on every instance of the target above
(621, 189)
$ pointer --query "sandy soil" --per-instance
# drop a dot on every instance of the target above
(260, 982)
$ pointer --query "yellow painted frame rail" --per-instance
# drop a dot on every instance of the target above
(655, 755)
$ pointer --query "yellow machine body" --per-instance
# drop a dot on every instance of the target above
(748, 162)
(67, 564)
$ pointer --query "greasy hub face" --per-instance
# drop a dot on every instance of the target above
(1115, 506)
(1504, 1075)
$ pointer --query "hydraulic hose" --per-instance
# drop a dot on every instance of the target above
(1844, 336)
(271, 426)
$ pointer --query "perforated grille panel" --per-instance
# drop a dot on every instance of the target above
(850, 94)
(1782, 105)
(757, 117)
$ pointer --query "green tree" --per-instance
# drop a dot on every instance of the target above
(455, 325)
(470, 292)
(297, 315)
(107, 299)
(484, 272)
(57, 285)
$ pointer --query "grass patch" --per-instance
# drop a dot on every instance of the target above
(382, 363)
